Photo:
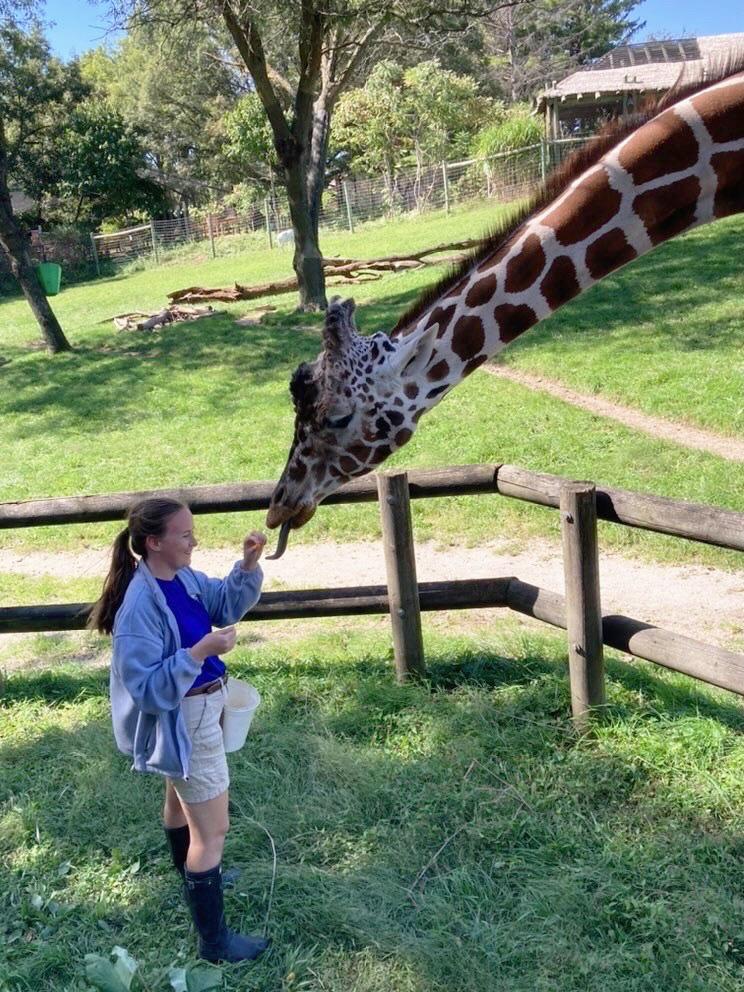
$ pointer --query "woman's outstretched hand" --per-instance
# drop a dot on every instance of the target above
(253, 547)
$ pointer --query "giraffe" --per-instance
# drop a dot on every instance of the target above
(645, 180)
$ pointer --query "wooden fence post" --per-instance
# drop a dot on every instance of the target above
(400, 564)
(578, 508)
(445, 186)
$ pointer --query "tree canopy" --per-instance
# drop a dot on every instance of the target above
(37, 91)
(403, 117)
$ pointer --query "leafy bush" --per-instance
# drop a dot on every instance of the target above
(517, 129)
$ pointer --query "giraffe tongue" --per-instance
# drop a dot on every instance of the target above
(281, 546)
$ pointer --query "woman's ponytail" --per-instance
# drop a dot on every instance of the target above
(148, 518)
(123, 565)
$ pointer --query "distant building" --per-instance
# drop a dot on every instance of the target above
(623, 78)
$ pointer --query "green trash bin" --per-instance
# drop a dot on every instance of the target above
(50, 277)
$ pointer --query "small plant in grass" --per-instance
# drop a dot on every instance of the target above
(119, 973)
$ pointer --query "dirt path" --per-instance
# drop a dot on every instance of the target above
(668, 430)
(701, 602)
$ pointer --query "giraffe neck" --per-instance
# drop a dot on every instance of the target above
(683, 168)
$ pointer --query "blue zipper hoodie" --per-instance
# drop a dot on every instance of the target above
(151, 672)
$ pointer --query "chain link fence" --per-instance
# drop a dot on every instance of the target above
(347, 203)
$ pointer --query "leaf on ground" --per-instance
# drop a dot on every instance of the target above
(111, 976)
(202, 977)
(177, 978)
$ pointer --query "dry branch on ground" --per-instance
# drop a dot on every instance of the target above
(139, 320)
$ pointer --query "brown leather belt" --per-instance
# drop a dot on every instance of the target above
(208, 687)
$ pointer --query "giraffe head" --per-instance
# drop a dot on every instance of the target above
(354, 405)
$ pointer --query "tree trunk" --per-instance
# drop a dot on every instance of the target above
(14, 246)
(304, 189)
(308, 259)
(22, 268)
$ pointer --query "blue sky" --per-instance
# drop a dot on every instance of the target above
(81, 25)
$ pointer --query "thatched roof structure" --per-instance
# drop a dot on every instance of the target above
(616, 82)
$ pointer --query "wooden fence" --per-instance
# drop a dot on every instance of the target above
(578, 612)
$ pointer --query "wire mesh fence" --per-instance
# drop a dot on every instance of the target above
(347, 203)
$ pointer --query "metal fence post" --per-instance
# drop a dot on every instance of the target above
(154, 242)
(578, 510)
(95, 253)
(268, 222)
(445, 182)
(210, 232)
(400, 564)
(349, 216)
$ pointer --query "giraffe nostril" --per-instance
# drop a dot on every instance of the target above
(278, 494)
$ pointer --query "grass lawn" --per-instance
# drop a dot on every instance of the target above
(447, 837)
(207, 402)
(452, 836)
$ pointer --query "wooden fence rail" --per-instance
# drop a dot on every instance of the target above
(460, 594)
(695, 521)
(579, 612)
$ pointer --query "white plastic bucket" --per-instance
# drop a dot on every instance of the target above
(242, 702)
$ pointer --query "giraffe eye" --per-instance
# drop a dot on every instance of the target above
(338, 423)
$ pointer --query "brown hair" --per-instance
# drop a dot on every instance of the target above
(148, 518)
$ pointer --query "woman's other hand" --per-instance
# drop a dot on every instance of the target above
(253, 547)
(218, 642)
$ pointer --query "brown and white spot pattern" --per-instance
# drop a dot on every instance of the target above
(362, 398)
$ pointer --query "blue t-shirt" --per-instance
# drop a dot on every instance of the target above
(193, 623)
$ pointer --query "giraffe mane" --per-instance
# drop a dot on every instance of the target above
(559, 180)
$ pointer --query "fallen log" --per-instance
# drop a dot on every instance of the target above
(409, 256)
(195, 294)
(346, 270)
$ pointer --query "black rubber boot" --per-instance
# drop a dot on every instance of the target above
(216, 941)
(178, 843)
(178, 839)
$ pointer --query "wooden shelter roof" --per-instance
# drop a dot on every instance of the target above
(649, 65)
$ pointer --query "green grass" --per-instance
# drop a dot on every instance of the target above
(207, 403)
(611, 864)
(664, 335)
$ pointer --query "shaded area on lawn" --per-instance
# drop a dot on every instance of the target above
(610, 864)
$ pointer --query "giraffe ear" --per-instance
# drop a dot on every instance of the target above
(413, 352)
(339, 328)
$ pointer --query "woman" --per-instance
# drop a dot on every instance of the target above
(168, 691)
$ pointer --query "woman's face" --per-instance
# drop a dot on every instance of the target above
(174, 548)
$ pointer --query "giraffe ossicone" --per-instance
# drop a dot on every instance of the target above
(641, 183)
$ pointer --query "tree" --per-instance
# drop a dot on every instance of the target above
(301, 55)
(174, 88)
(248, 144)
(36, 91)
(101, 157)
(530, 44)
(404, 117)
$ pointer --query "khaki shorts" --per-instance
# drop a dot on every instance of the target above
(208, 775)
